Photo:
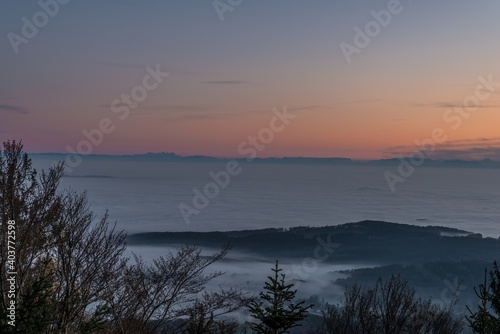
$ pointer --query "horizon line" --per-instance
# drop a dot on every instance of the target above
(261, 158)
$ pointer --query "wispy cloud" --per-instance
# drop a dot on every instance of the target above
(362, 101)
(121, 65)
(224, 115)
(165, 107)
(15, 109)
(313, 107)
(142, 67)
(225, 82)
(123, 3)
(174, 107)
(207, 117)
(303, 108)
(353, 102)
(448, 105)
(465, 149)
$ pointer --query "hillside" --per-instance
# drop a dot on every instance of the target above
(367, 241)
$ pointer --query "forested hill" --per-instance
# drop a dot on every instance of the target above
(367, 241)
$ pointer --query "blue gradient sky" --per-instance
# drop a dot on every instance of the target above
(227, 76)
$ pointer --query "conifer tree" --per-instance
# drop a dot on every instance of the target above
(486, 320)
(275, 310)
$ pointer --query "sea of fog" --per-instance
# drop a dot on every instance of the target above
(248, 272)
(145, 195)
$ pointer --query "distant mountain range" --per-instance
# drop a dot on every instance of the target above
(172, 157)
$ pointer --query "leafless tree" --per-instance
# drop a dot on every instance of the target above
(32, 203)
(150, 297)
(87, 256)
(204, 313)
(391, 307)
(72, 276)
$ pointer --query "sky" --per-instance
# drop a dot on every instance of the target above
(357, 79)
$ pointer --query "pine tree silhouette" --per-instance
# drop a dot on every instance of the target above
(275, 311)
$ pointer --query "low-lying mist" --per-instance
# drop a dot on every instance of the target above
(250, 271)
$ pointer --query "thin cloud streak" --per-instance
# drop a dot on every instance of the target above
(166, 107)
(305, 108)
(207, 117)
(15, 109)
(142, 67)
(128, 4)
(465, 149)
(313, 107)
(448, 105)
(225, 82)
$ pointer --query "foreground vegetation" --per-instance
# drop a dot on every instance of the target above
(71, 276)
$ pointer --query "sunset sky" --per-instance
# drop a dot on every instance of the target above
(226, 76)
